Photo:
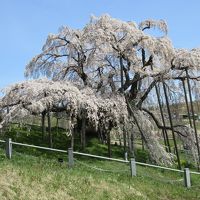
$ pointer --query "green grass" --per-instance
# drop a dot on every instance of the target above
(60, 141)
(27, 177)
(34, 174)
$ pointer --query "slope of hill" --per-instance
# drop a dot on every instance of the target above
(27, 177)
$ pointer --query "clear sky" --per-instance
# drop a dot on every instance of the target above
(25, 24)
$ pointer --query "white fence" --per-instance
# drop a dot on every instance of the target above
(186, 172)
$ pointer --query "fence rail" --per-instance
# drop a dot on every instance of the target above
(101, 157)
(71, 153)
(192, 172)
(160, 167)
(39, 147)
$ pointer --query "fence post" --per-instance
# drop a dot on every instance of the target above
(70, 157)
(126, 156)
(187, 180)
(9, 148)
(133, 167)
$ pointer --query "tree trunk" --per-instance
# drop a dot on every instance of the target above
(120, 141)
(43, 125)
(198, 106)
(122, 75)
(132, 154)
(100, 135)
(124, 140)
(72, 137)
(129, 142)
(83, 139)
(145, 127)
(49, 130)
(109, 144)
(142, 142)
(57, 125)
(7, 109)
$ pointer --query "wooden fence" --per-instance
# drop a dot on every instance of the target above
(133, 164)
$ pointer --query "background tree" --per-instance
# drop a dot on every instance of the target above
(107, 57)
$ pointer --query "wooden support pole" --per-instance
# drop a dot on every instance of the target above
(72, 137)
(171, 124)
(109, 143)
(132, 146)
(126, 156)
(192, 110)
(165, 135)
(83, 136)
(43, 125)
(187, 104)
(49, 129)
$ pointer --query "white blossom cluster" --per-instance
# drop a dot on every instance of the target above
(187, 59)
(95, 50)
(37, 96)
(116, 37)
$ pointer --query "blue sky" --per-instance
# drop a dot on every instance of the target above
(25, 24)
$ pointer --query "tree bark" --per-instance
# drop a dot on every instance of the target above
(7, 109)
(72, 137)
(132, 154)
(83, 138)
(121, 74)
(57, 125)
(157, 152)
(43, 125)
(120, 141)
(109, 143)
(100, 135)
(124, 140)
(129, 142)
(49, 130)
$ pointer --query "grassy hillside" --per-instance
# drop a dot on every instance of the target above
(27, 177)
(36, 174)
